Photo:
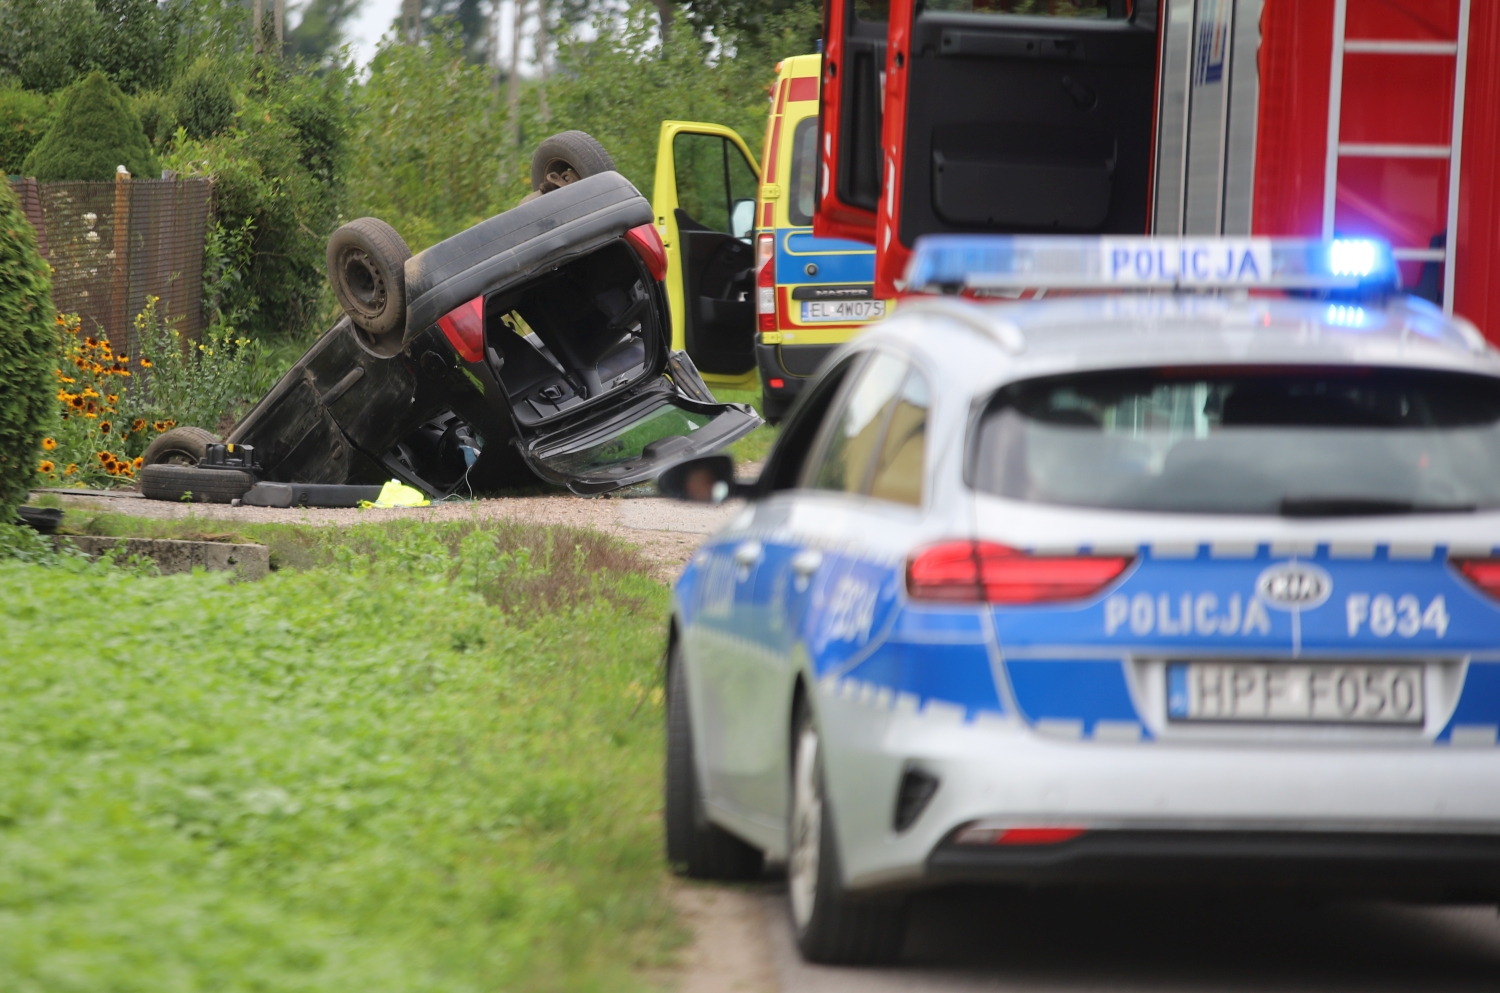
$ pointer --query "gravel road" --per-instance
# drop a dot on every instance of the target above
(967, 942)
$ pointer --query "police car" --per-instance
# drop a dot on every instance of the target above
(1189, 578)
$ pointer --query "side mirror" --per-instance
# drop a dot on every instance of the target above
(742, 218)
(709, 479)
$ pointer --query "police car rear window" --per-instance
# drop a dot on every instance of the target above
(1293, 441)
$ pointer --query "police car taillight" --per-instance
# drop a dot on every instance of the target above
(1483, 573)
(986, 572)
(765, 281)
(463, 326)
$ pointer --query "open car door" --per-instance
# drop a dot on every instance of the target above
(850, 161)
(704, 202)
(1012, 116)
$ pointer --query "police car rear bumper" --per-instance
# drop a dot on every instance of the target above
(1142, 803)
(1434, 866)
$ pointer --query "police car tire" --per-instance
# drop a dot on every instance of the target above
(367, 270)
(843, 928)
(187, 482)
(568, 148)
(180, 446)
(695, 847)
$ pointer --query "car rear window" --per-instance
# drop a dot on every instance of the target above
(1295, 441)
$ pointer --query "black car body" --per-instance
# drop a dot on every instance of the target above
(536, 346)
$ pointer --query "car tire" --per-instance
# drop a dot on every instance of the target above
(695, 848)
(571, 150)
(367, 269)
(186, 482)
(774, 408)
(832, 925)
(179, 446)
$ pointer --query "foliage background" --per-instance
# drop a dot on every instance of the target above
(28, 343)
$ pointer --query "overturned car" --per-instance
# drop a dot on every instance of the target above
(533, 347)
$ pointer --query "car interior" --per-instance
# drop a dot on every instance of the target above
(585, 330)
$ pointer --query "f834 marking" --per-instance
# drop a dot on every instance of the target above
(1401, 614)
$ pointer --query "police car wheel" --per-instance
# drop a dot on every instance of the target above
(832, 925)
(695, 848)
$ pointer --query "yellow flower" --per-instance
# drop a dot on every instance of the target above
(138, 461)
(145, 363)
(72, 468)
(139, 424)
(89, 391)
(45, 466)
(113, 398)
(48, 444)
(106, 457)
(105, 427)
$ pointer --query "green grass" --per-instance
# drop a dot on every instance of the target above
(426, 760)
(754, 446)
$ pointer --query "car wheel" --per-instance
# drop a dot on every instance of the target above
(773, 408)
(566, 158)
(367, 269)
(179, 446)
(187, 482)
(832, 925)
(695, 848)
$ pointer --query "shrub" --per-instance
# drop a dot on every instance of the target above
(96, 130)
(158, 116)
(204, 103)
(27, 346)
(24, 119)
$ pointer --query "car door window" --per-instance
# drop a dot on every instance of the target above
(900, 468)
(713, 179)
(851, 443)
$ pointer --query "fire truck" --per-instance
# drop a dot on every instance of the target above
(1310, 118)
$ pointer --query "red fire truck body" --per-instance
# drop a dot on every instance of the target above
(1309, 118)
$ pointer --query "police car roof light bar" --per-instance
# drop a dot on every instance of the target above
(950, 263)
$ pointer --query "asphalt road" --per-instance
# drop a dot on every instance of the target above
(964, 942)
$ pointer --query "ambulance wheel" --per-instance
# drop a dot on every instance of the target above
(188, 482)
(773, 408)
(367, 270)
(566, 158)
(832, 925)
(179, 446)
(695, 848)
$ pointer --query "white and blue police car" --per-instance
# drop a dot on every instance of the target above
(1192, 577)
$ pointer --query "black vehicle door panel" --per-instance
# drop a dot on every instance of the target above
(1061, 141)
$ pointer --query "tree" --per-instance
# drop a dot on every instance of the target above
(96, 130)
(28, 351)
(320, 30)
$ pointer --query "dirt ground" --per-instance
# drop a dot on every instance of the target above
(666, 531)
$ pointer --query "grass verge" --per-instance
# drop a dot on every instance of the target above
(426, 758)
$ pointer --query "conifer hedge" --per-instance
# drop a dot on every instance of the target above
(28, 352)
(96, 130)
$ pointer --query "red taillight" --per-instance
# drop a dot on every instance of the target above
(1483, 573)
(982, 571)
(646, 241)
(463, 326)
(990, 834)
(776, 384)
(765, 281)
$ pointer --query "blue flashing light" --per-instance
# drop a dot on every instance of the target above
(1356, 257)
(1346, 316)
(1003, 262)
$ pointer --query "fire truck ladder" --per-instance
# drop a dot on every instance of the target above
(1453, 151)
